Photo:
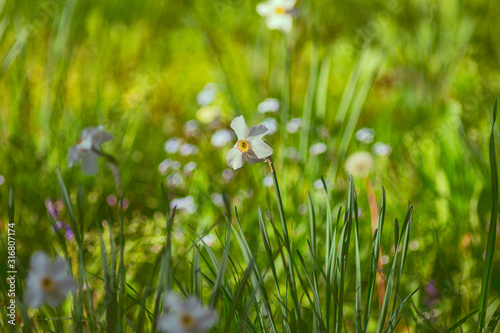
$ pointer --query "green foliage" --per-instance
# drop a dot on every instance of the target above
(421, 74)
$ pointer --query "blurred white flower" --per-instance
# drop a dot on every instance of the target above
(163, 166)
(47, 281)
(174, 180)
(318, 148)
(2, 179)
(227, 174)
(88, 148)
(185, 317)
(217, 199)
(360, 164)
(207, 95)
(381, 149)
(172, 145)
(221, 138)
(318, 184)
(269, 105)
(277, 13)
(268, 181)
(271, 125)
(209, 239)
(176, 165)
(294, 125)
(187, 204)
(249, 146)
(207, 114)
(190, 167)
(188, 149)
(365, 135)
(191, 128)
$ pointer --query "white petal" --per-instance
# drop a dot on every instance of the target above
(99, 137)
(289, 4)
(260, 148)
(66, 285)
(257, 131)
(73, 156)
(87, 132)
(235, 158)
(89, 164)
(172, 302)
(33, 297)
(240, 127)
(84, 146)
(54, 298)
(265, 8)
(252, 158)
(280, 22)
(192, 305)
(39, 262)
(169, 323)
(206, 319)
(58, 266)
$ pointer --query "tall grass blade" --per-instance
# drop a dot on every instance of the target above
(374, 259)
(490, 247)
(222, 270)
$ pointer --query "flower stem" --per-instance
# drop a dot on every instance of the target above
(115, 170)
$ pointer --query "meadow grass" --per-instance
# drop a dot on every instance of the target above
(299, 257)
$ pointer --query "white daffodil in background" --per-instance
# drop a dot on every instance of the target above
(277, 13)
(185, 317)
(360, 164)
(47, 281)
(249, 146)
(88, 148)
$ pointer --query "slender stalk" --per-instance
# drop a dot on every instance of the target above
(289, 263)
(372, 201)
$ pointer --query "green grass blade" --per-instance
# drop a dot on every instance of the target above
(462, 321)
(388, 293)
(374, 259)
(492, 324)
(221, 272)
(343, 253)
(393, 319)
(238, 295)
(357, 300)
(490, 247)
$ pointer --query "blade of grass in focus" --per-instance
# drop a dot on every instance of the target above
(220, 273)
(374, 259)
(388, 292)
(270, 259)
(263, 305)
(357, 293)
(81, 263)
(343, 252)
(490, 247)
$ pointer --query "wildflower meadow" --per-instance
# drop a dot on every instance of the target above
(272, 166)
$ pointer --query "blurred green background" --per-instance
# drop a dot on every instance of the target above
(423, 75)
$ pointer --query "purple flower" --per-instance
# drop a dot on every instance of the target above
(69, 234)
(51, 208)
(431, 290)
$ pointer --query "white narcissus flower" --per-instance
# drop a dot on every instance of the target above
(360, 164)
(47, 281)
(277, 13)
(249, 146)
(87, 148)
(185, 317)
